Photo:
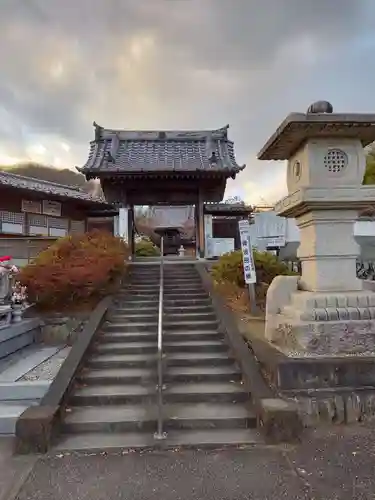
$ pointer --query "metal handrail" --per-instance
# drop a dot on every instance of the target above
(159, 433)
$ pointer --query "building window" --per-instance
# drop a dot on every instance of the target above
(37, 225)
(58, 233)
(12, 222)
(57, 227)
(38, 231)
(77, 226)
(9, 228)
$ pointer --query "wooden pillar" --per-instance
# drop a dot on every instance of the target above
(196, 219)
(131, 230)
(200, 217)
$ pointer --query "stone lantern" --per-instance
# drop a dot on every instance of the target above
(326, 310)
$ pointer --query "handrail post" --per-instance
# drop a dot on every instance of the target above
(159, 434)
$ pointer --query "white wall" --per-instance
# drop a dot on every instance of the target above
(262, 227)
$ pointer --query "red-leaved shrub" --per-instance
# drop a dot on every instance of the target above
(75, 268)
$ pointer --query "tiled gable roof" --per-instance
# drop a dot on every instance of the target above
(48, 188)
(125, 151)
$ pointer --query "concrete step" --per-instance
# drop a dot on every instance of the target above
(136, 317)
(171, 309)
(214, 358)
(125, 418)
(113, 395)
(195, 346)
(202, 373)
(127, 294)
(9, 414)
(186, 359)
(185, 292)
(166, 289)
(186, 298)
(175, 325)
(131, 327)
(168, 284)
(111, 376)
(126, 347)
(121, 418)
(152, 326)
(171, 293)
(143, 376)
(216, 392)
(208, 438)
(101, 361)
(208, 416)
(135, 304)
(168, 271)
(152, 309)
(119, 336)
(200, 392)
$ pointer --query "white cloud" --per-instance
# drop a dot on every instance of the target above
(174, 64)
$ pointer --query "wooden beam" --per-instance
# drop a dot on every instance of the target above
(201, 223)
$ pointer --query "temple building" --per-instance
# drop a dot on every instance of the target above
(161, 168)
(33, 213)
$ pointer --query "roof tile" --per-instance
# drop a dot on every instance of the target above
(151, 151)
(46, 187)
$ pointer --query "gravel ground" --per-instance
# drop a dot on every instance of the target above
(49, 368)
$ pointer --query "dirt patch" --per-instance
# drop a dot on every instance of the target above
(251, 326)
(238, 301)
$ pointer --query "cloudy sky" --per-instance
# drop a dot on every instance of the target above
(177, 64)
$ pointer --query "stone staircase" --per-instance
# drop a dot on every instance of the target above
(114, 403)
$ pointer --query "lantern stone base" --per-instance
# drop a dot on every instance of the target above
(301, 322)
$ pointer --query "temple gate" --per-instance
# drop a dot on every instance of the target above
(161, 167)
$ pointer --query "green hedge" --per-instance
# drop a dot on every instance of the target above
(229, 268)
(146, 248)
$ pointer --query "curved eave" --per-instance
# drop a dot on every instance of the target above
(61, 197)
(174, 174)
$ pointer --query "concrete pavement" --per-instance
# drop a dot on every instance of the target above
(330, 464)
(13, 470)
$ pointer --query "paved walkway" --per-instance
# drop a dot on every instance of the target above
(13, 470)
(338, 464)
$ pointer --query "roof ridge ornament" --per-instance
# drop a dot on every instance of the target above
(98, 131)
(320, 107)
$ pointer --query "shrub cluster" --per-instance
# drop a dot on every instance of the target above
(145, 248)
(229, 268)
(75, 268)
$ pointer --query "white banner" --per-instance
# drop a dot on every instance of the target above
(172, 216)
(32, 206)
(52, 208)
(220, 246)
(247, 252)
(208, 235)
(270, 225)
(123, 224)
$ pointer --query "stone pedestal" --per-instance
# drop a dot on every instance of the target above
(328, 250)
(326, 310)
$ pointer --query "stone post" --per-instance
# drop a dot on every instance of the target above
(4, 287)
(326, 310)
